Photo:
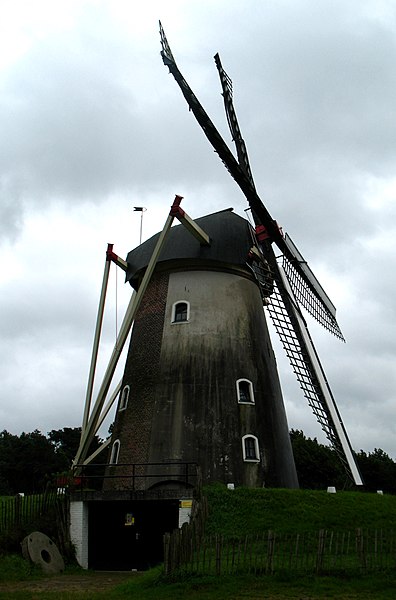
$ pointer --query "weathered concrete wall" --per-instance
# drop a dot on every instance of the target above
(197, 416)
(183, 402)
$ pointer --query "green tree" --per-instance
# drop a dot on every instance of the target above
(27, 461)
(318, 466)
(66, 442)
(378, 470)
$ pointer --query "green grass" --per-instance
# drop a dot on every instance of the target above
(149, 586)
(249, 511)
(15, 568)
(255, 588)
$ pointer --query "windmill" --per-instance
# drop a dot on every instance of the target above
(200, 383)
(294, 284)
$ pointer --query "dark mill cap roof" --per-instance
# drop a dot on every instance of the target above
(230, 242)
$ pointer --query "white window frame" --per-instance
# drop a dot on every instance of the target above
(115, 452)
(256, 447)
(251, 392)
(174, 312)
(124, 397)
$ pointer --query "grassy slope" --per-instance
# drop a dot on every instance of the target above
(247, 511)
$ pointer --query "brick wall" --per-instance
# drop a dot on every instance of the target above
(133, 425)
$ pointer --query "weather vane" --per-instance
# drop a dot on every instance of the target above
(140, 209)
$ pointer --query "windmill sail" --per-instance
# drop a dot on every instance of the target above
(303, 282)
(226, 84)
(297, 343)
(238, 172)
(323, 311)
(294, 282)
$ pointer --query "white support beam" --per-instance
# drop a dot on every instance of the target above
(93, 421)
(102, 447)
(120, 262)
(188, 222)
(108, 406)
(133, 306)
(95, 348)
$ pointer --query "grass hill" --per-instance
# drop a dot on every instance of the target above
(249, 511)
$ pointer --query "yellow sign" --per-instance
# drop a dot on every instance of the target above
(185, 503)
(129, 519)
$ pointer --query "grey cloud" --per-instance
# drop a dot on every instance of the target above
(91, 115)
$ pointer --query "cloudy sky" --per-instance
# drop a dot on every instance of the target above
(92, 124)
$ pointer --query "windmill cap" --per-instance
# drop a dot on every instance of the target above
(230, 242)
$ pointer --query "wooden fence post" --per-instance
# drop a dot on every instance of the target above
(166, 553)
(321, 547)
(270, 552)
(218, 554)
(18, 509)
(360, 547)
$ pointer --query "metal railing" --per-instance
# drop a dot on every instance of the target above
(134, 476)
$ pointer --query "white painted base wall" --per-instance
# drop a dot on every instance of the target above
(184, 512)
(79, 531)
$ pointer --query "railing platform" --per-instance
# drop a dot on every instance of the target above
(134, 481)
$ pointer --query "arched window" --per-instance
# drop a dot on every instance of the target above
(124, 398)
(180, 312)
(115, 452)
(250, 448)
(245, 391)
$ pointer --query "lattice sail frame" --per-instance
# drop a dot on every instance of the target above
(287, 319)
(309, 301)
(285, 313)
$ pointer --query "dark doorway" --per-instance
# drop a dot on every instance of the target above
(128, 535)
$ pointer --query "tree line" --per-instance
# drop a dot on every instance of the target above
(29, 461)
(318, 466)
